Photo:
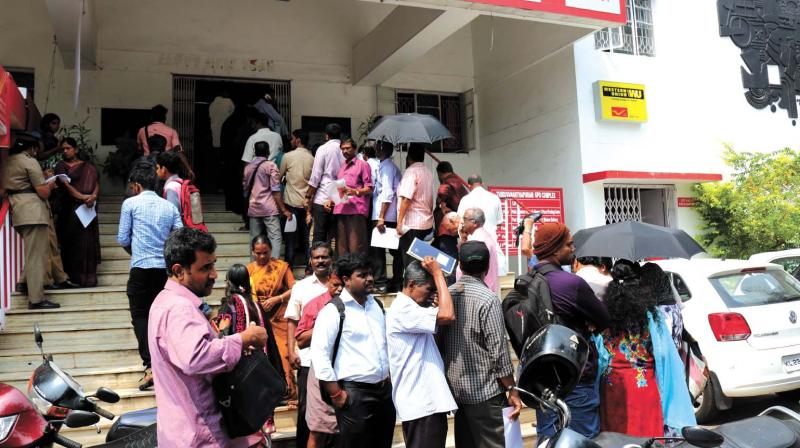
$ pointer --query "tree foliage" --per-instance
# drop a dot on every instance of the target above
(757, 210)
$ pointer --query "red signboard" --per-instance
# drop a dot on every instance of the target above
(610, 10)
(13, 113)
(518, 202)
(687, 202)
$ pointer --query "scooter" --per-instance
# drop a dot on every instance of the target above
(54, 400)
(551, 362)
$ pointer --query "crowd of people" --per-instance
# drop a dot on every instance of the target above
(352, 366)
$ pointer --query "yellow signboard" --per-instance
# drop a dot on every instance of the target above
(618, 101)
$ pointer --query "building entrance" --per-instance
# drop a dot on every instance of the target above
(653, 204)
(212, 142)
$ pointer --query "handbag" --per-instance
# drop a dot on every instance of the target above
(248, 394)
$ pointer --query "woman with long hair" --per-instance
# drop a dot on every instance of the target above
(48, 128)
(236, 306)
(272, 281)
(667, 300)
(642, 387)
(80, 245)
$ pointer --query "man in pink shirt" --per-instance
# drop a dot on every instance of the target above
(186, 352)
(158, 115)
(472, 230)
(351, 213)
(415, 212)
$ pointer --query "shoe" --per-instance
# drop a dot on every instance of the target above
(22, 288)
(147, 380)
(43, 305)
(68, 284)
(52, 286)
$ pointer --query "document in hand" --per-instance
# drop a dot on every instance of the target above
(420, 249)
(336, 191)
(386, 240)
(512, 429)
(86, 214)
(291, 225)
(63, 177)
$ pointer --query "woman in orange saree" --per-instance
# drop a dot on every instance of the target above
(272, 281)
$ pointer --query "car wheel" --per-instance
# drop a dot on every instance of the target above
(705, 408)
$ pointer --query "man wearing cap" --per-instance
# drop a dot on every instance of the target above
(576, 305)
(476, 359)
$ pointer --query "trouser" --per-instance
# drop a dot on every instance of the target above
(351, 234)
(54, 273)
(323, 224)
(301, 435)
(377, 256)
(584, 405)
(301, 235)
(270, 226)
(37, 249)
(368, 418)
(426, 432)
(481, 424)
(405, 243)
(449, 245)
(143, 287)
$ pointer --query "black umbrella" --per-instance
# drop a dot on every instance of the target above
(634, 241)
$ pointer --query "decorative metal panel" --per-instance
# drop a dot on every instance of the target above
(623, 203)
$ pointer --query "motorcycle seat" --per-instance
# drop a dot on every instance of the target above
(615, 439)
(758, 432)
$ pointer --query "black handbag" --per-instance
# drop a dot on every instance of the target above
(248, 394)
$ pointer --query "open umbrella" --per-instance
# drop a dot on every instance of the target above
(409, 128)
(634, 241)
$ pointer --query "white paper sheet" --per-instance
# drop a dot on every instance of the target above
(336, 191)
(291, 225)
(86, 214)
(512, 430)
(63, 177)
(387, 239)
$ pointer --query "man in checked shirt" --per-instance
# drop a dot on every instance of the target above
(476, 359)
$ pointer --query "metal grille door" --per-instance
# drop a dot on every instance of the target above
(183, 92)
(623, 203)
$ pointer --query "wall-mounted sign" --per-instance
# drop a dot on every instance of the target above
(519, 202)
(610, 10)
(687, 202)
(619, 101)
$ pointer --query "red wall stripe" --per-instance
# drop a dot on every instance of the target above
(649, 175)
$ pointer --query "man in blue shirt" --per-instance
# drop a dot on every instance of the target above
(384, 214)
(145, 222)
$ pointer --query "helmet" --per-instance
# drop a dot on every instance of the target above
(553, 358)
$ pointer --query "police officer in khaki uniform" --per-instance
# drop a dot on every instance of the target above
(30, 215)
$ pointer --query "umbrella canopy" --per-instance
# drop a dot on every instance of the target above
(635, 241)
(409, 128)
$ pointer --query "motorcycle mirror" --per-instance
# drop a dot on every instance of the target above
(81, 419)
(106, 395)
(702, 437)
(37, 335)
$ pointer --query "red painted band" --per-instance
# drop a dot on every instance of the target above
(650, 175)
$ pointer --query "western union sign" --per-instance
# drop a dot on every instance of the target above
(618, 101)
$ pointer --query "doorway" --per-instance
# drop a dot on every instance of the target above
(191, 97)
(652, 204)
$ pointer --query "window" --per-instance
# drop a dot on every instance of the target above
(116, 123)
(635, 37)
(24, 78)
(446, 108)
(680, 286)
(756, 288)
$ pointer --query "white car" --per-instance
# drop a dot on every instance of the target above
(744, 315)
(789, 259)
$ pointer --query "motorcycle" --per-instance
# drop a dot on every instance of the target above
(54, 400)
(551, 363)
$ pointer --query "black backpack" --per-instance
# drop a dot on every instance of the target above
(528, 307)
(337, 302)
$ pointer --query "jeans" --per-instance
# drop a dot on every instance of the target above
(324, 224)
(584, 403)
(301, 234)
(143, 287)
(271, 226)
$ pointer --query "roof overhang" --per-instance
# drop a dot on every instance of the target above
(649, 177)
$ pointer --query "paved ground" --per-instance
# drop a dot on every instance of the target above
(749, 407)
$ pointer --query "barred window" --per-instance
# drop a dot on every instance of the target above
(635, 37)
(445, 107)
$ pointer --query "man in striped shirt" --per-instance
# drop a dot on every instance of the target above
(415, 211)
(419, 388)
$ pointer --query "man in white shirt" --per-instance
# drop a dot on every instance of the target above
(327, 162)
(419, 388)
(262, 134)
(480, 197)
(303, 292)
(596, 271)
(384, 213)
(355, 372)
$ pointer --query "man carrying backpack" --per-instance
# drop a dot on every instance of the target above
(575, 306)
(179, 192)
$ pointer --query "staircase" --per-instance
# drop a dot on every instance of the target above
(92, 339)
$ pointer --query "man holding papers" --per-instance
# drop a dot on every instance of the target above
(384, 214)
(351, 213)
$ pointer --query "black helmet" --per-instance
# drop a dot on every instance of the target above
(553, 359)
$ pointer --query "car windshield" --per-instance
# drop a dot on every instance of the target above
(753, 288)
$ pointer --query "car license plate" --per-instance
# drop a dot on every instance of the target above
(791, 363)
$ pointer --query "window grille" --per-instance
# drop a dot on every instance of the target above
(445, 107)
(635, 37)
(623, 203)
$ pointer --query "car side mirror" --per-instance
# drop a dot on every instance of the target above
(702, 437)
(81, 419)
(106, 395)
